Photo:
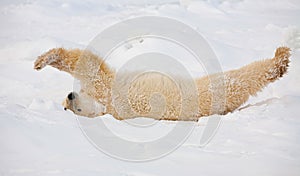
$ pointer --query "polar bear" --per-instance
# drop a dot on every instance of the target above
(154, 95)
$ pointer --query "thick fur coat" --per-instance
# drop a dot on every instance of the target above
(156, 96)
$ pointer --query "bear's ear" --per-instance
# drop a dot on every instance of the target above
(71, 96)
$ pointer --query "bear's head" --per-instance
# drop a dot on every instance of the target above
(83, 105)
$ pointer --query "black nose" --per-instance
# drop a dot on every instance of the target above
(71, 96)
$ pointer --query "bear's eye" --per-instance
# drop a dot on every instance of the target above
(79, 110)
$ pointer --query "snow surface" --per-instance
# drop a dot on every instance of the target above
(37, 137)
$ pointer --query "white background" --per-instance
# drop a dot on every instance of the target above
(38, 138)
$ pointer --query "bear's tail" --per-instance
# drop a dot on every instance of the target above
(279, 65)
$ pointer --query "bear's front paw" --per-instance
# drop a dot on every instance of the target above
(45, 60)
(39, 63)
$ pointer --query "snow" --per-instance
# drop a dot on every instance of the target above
(37, 137)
